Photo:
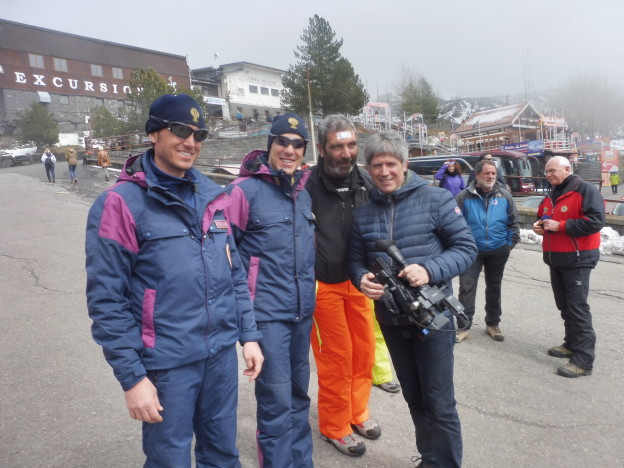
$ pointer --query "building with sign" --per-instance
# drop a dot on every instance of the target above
(251, 89)
(489, 129)
(71, 75)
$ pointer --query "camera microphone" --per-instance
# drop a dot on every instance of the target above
(388, 246)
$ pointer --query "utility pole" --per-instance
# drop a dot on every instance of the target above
(311, 117)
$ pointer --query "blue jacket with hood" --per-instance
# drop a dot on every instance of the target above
(165, 284)
(272, 221)
(425, 224)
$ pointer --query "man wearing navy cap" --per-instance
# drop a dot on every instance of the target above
(272, 221)
(168, 297)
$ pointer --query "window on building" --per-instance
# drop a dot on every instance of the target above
(117, 73)
(253, 89)
(96, 70)
(274, 92)
(264, 91)
(60, 64)
(36, 61)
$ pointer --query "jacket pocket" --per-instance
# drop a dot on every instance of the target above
(148, 329)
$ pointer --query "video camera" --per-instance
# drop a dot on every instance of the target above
(424, 305)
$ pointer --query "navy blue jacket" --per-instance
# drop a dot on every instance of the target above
(426, 225)
(165, 284)
(273, 224)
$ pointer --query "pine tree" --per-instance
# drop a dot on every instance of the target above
(417, 96)
(334, 85)
(38, 125)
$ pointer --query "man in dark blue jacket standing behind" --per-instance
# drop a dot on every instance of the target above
(429, 230)
(493, 219)
(168, 297)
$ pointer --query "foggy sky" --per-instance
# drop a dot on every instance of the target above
(463, 48)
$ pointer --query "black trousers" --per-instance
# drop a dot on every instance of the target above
(425, 371)
(493, 264)
(571, 288)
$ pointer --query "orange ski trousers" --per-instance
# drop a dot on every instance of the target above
(344, 349)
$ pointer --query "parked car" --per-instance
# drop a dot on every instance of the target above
(618, 209)
(531, 202)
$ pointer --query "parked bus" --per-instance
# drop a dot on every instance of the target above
(521, 172)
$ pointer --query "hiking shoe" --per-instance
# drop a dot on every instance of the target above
(391, 387)
(369, 429)
(495, 333)
(560, 351)
(461, 335)
(351, 444)
(572, 370)
(422, 463)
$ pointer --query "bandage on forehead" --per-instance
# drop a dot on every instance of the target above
(343, 135)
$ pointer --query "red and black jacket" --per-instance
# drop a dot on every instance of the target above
(579, 208)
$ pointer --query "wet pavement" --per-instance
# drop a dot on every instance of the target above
(60, 405)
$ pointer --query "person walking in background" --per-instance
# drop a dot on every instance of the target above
(614, 179)
(450, 177)
(493, 219)
(429, 230)
(342, 336)
(167, 294)
(49, 161)
(104, 162)
(570, 219)
(273, 224)
(72, 162)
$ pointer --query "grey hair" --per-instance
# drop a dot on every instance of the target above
(387, 142)
(333, 123)
(563, 161)
(480, 165)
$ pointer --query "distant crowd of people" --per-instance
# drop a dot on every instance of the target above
(180, 270)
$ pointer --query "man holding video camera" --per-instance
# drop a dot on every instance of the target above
(431, 233)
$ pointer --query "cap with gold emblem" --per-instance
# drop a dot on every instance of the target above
(287, 123)
(174, 108)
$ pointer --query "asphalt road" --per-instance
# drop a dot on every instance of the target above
(60, 405)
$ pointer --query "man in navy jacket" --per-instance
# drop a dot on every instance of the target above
(167, 294)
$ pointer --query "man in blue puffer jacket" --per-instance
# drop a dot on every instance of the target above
(273, 224)
(432, 235)
(493, 219)
(167, 294)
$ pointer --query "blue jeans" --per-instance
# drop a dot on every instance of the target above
(284, 433)
(50, 172)
(493, 265)
(199, 398)
(72, 172)
(425, 371)
(571, 288)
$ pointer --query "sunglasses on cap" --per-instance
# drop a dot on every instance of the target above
(184, 131)
(296, 143)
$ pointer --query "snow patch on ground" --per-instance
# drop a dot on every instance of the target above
(611, 243)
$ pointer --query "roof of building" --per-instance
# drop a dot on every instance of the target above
(493, 118)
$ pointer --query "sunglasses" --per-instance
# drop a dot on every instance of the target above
(184, 131)
(296, 143)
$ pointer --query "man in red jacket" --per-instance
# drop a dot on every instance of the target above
(571, 218)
